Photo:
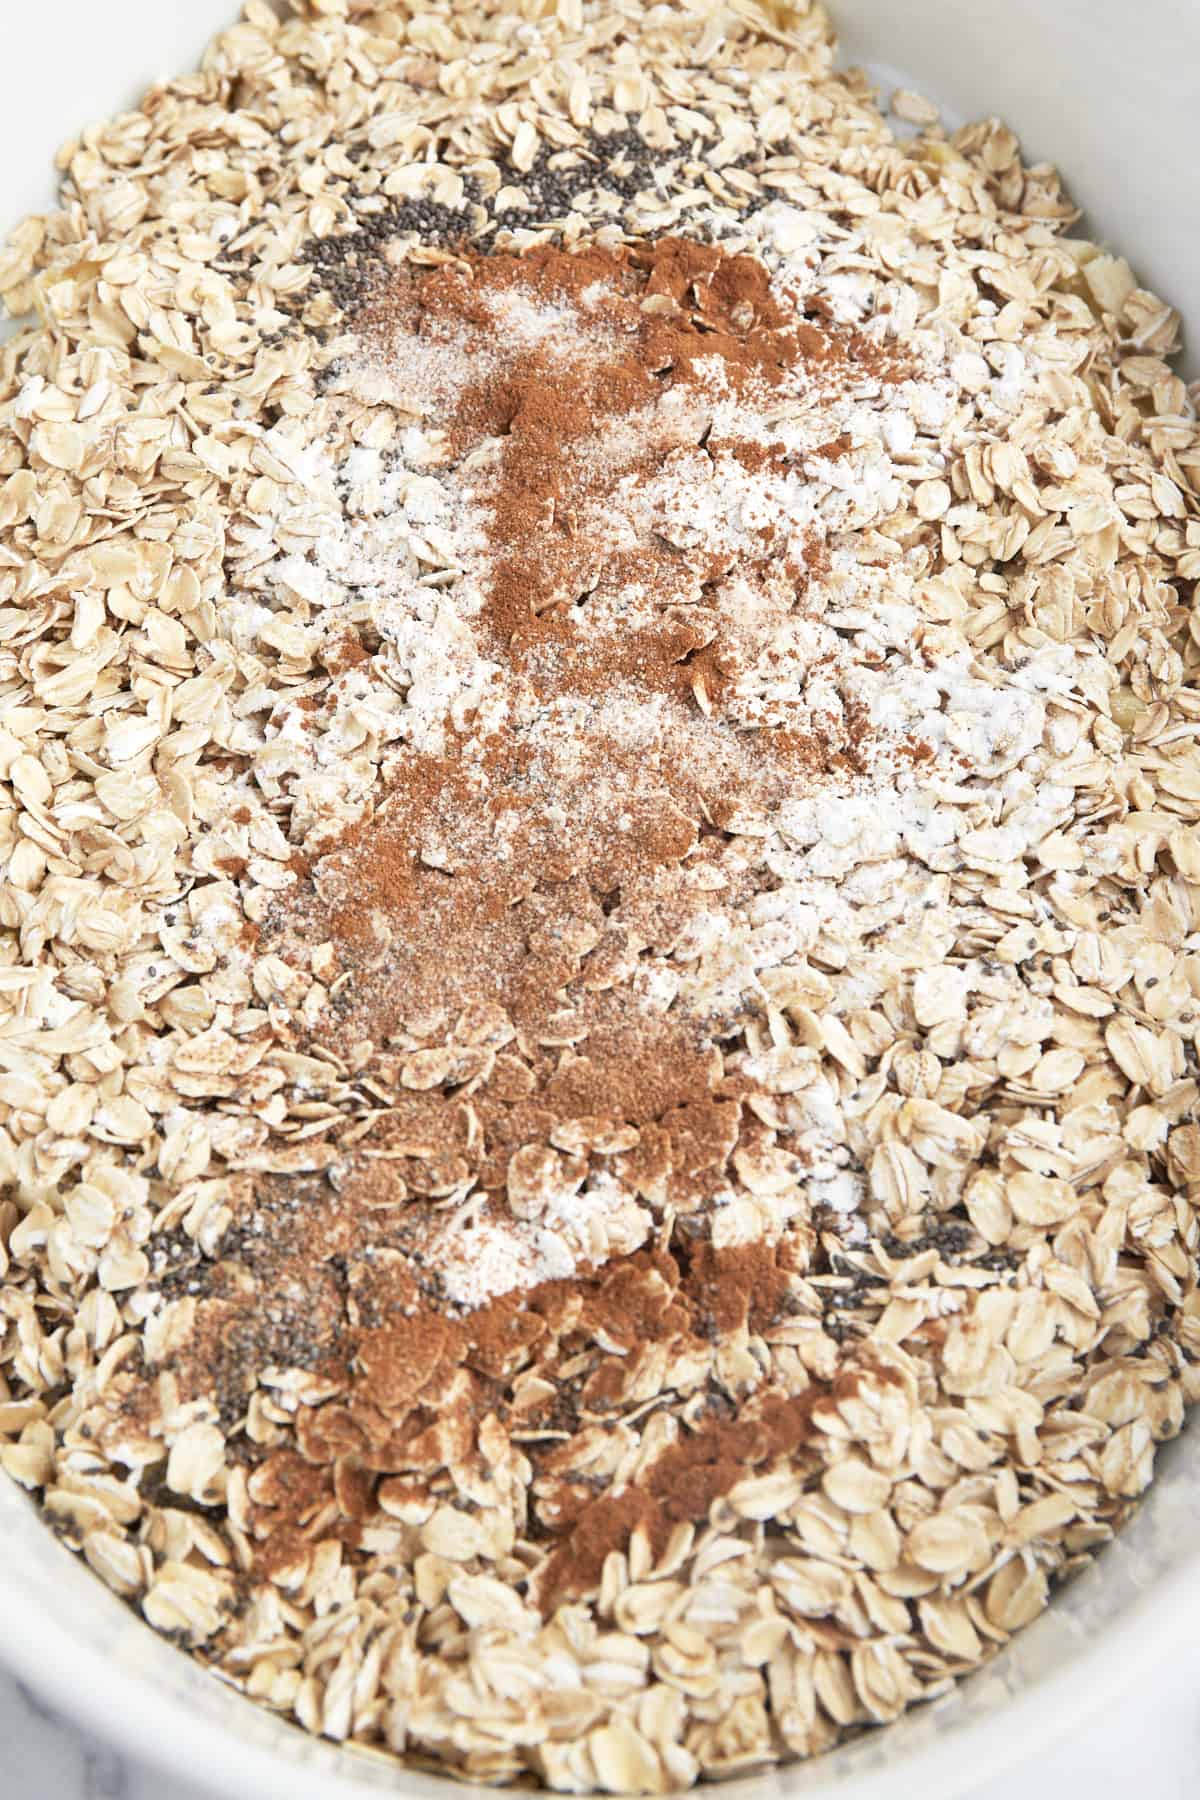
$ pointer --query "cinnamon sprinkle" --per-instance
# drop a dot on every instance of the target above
(531, 1215)
(414, 1381)
(582, 806)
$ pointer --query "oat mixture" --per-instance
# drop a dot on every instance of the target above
(600, 975)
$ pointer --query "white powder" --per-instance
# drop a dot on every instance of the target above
(489, 1255)
(494, 1256)
(520, 320)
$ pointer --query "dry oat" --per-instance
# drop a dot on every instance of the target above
(981, 1034)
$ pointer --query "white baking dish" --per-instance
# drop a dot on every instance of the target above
(1108, 94)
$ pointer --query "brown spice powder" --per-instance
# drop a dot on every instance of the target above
(425, 914)
(494, 910)
(396, 1357)
(672, 310)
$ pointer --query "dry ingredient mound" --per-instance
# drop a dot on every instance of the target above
(601, 874)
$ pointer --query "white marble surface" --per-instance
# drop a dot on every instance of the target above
(1149, 1751)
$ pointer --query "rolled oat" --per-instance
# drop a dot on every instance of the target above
(598, 995)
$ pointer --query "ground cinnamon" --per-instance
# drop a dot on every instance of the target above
(524, 861)
(496, 923)
(392, 1353)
